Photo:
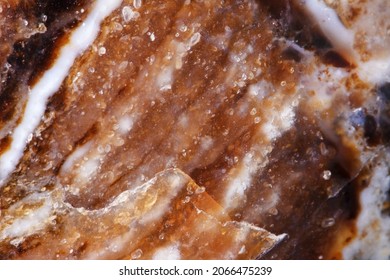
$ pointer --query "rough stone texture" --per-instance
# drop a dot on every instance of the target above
(194, 130)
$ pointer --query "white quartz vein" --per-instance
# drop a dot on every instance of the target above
(50, 82)
(330, 25)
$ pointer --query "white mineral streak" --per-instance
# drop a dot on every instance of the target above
(126, 221)
(276, 121)
(34, 218)
(240, 182)
(270, 129)
(158, 80)
(77, 154)
(88, 168)
(329, 23)
(85, 161)
(373, 237)
(50, 82)
(372, 241)
(155, 204)
(371, 25)
(38, 209)
(83, 164)
(170, 252)
(174, 60)
(279, 121)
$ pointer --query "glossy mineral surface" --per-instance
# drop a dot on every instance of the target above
(196, 129)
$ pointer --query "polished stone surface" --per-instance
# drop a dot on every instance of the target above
(194, 129)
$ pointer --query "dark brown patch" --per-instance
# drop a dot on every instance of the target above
(370, 129)
(5, 144)
(335, 59)
(30, 57)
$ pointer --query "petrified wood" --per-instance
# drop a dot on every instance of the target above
(194, 129)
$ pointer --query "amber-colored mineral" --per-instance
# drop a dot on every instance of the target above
(201, 129)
